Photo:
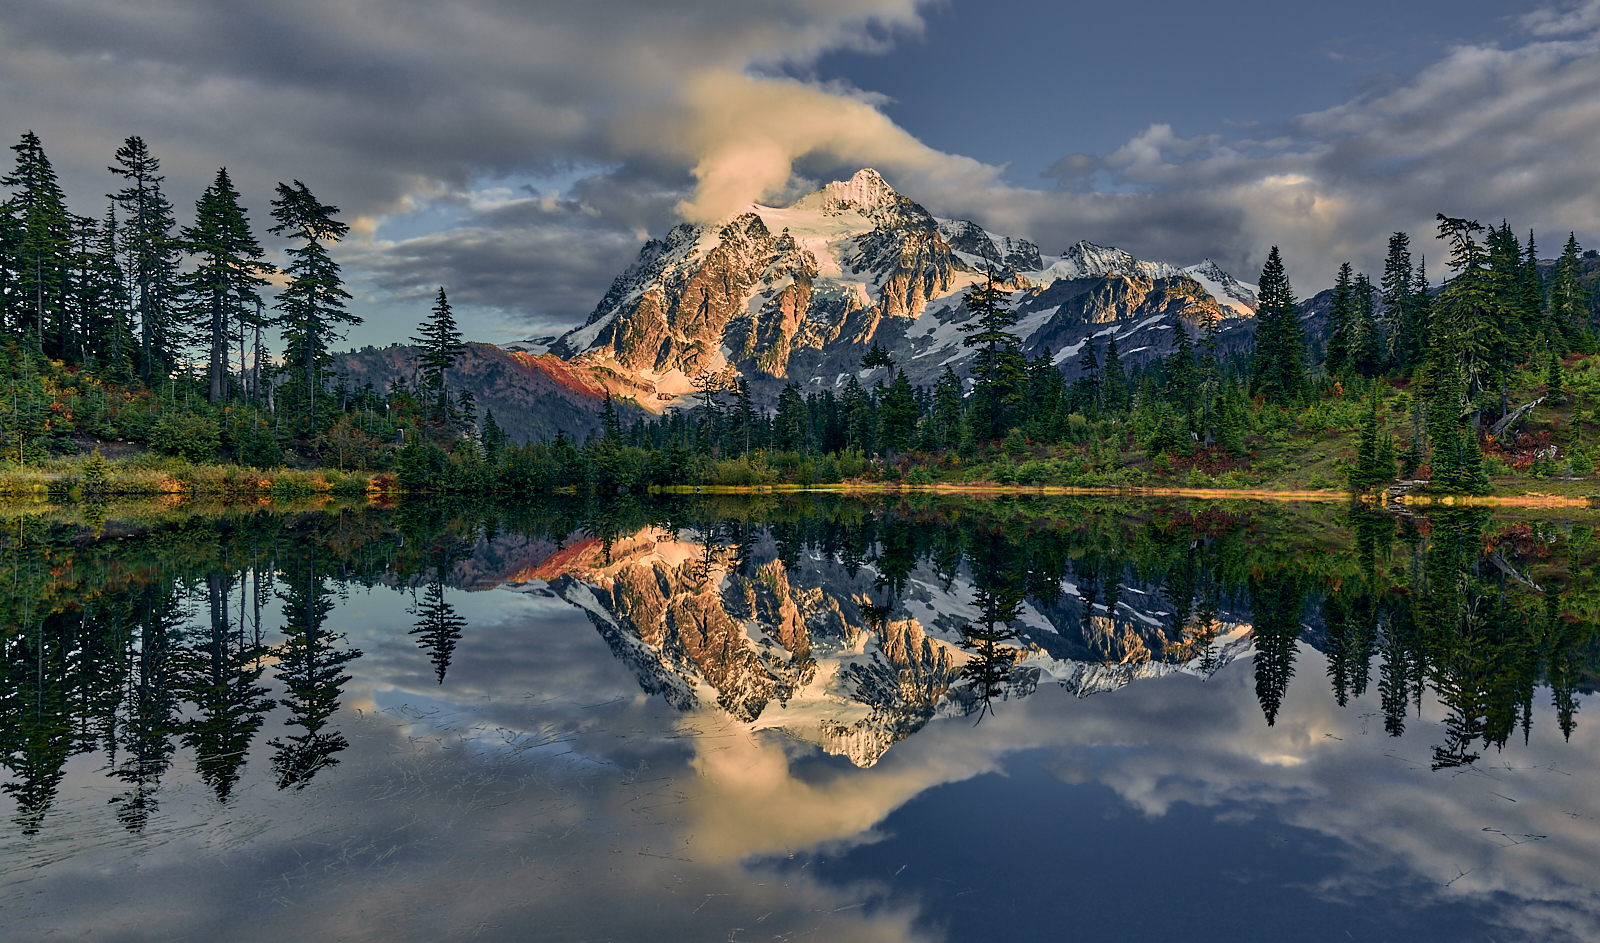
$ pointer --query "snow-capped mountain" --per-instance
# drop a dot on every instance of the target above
(822, 652)
(798, 293)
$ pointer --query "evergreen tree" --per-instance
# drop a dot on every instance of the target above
(898, 415)
(1569, 300)
(438, 347)
(494, 439)
(1113, 380)
(1341, 315)
(742, 428)
(36, 297)
(438, 625)
(221, 291)
(1419, 317)
(947, 408)
(999, 371)
(220, 673)
(98, 299)
(1280, 346)
(610, 425)
(1210, 366)
(1183, 376)
(1370, 468)
(312, 304)
(1398, 299)
(149, 258)
(1366, 345)
(1469, 315)
(311, 669)
(789, 426)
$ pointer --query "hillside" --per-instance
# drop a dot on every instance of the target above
(532, 396)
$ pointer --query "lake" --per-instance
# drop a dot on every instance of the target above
(799, 717)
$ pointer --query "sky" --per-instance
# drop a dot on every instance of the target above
(519, 152)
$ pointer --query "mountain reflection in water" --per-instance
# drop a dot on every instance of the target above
(717, 718)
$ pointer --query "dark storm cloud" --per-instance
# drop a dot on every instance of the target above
(546, 275)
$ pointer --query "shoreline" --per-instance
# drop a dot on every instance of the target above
(248, 484)
(1246, 494)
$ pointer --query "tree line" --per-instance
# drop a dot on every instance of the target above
(128, 321)
(131, 326)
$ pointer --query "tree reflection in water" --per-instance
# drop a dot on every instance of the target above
(124, 640)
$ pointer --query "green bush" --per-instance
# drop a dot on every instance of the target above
(1034, 472)
(191, 436)
(1234, 479)
(1003, 471)
(828, 472)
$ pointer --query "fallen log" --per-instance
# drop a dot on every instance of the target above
(1510, 419)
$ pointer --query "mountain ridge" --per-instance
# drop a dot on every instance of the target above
(799, 293)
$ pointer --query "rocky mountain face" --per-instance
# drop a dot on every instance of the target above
(818, 649)
(799, 293)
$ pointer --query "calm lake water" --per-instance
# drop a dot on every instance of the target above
(799, 718)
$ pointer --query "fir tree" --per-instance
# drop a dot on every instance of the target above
(1366, 345)
(221, 291)
(1369, 469)
(36, 299)
(439, 346)
(1000, 374)
(1469, 315)
(312, 304)
(1113, 380)
(149, 257)
(1280, 346)
(1569, 300)
(1341, 314)
(1398, 299)
(494, 439)
(898, 415)
(947, 408)
(438, 626)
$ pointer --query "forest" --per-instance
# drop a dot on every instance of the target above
(128, 328)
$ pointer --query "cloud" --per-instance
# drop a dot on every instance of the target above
(387, 107)
(394, 109)
(1485, 132)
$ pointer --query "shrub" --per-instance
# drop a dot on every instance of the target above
(94, 474)
(1034, 472)
(1003, 471)
(828, 471)
(1234, 479)
(191, 436)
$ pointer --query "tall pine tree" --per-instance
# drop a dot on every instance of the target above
(1280, 345)
(439, 344)
(221, 292)
(42, 234)
(149, 257)
(312, 304)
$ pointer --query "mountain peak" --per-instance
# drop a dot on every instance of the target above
(864, 190)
